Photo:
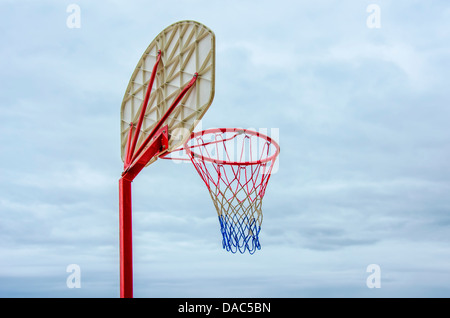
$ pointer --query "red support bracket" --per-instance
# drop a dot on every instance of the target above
(165, 116)
(157, 145)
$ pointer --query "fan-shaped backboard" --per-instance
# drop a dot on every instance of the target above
(187, 47)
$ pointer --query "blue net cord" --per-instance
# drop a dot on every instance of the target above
(239, 234)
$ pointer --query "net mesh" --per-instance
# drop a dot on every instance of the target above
(235, 165)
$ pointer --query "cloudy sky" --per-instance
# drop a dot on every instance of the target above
(363, 120)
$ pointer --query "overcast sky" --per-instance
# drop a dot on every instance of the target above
(363, 120)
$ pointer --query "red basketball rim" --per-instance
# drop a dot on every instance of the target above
(225, 162)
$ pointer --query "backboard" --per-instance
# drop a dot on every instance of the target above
(187, 47)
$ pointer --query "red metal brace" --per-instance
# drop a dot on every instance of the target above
(158, 144)
(166, 115)
(127, 147)
(132, 146)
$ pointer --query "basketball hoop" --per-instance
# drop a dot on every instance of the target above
(235, 165)
(170, 90)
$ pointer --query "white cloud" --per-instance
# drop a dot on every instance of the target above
(402, 55)
(70, 176)
(267, 56)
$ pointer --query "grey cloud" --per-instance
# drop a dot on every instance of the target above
(363, 175)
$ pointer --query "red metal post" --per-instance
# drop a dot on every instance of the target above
(126, 244)
(156, 146)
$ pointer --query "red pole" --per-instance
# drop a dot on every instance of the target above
(160, 143)
(125, 233)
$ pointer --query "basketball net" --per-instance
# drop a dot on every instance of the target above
(235, 165)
